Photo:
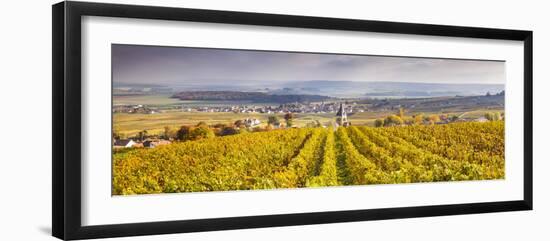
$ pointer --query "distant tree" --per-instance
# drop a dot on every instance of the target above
(289, 119)
(116, 133)
(289, 116)
(408, 121)
(379, 122)
(229, 130)
(401, 113)
(488, 93)
(493, 116)
(142, 135)
(393, 120)
(183, 133)
(289, 123)
(273, 120)
(454, 118)
(218, 128)
(239, 123)
(201, 132)
(433, 119)
(169, 133)
(166, 132)
(419, 119)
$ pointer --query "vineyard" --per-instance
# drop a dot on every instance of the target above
(315, 157)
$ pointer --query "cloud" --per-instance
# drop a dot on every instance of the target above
(177, 65)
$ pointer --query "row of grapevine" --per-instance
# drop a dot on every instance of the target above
(311, 157)
(361, 169)
(398, 169)
(427, 166)
(488, 137)
(302, 165)
(375, 153)
(327, 174)
(246, 161)
(463, 141)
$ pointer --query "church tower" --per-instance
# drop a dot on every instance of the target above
(342, 117)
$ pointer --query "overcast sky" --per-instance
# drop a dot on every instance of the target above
(178, 65)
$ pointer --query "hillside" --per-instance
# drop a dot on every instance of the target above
(359, 89)
(312, 157)
(256, 97)
(448, 104)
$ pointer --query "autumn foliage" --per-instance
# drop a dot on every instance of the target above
(314, 157)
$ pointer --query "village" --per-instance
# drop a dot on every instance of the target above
(351, 106)
(246, 124)
(250, 124)
(313, 108)
(265, 117)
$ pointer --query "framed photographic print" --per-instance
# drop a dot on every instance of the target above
(169, 120)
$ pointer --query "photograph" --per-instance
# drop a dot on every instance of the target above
(194, 119)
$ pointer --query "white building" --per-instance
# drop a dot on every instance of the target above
(251, 122)
(124, 143)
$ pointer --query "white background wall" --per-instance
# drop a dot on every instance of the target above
(25, 122)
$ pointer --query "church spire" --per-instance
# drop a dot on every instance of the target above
(342, 117)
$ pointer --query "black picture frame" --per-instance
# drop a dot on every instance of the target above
(66, 75)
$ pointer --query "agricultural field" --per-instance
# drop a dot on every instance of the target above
(131, 124)
(152, 100)
(174, 113)
(315, 157)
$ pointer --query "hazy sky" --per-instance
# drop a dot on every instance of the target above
(173, 66)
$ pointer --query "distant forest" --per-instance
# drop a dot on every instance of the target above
(257, 97)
